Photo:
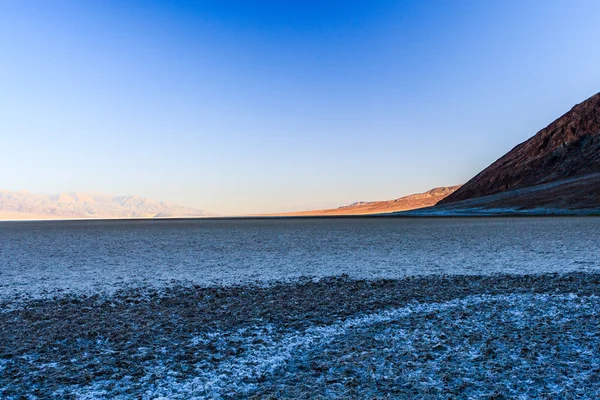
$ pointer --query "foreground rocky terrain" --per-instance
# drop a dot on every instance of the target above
(499, 336)
(567, 148)
(26, 205)
(411, 202)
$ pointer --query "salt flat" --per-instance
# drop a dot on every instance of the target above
(45, 258)
(359, 308)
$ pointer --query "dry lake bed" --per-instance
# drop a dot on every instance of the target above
(340, 308)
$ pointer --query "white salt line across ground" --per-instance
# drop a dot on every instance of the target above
(267, 354)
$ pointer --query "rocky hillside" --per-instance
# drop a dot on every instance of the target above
(410, 202)
(568, 147)
(25, 205)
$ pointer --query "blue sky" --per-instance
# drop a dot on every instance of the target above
(267, 106)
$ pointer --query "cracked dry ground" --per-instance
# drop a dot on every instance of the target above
(497, 336)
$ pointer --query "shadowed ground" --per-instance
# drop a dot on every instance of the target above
(336, 337)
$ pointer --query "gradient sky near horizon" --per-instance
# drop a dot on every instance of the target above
(267, 106)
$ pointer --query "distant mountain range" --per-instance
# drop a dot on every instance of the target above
(410, 202)
(25, 205)
(556, 171)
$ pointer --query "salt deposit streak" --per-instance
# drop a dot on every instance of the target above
(267, 356)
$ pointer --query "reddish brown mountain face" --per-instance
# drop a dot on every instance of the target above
(412, 202)
(568, 147)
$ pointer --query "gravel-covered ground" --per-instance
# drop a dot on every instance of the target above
(496, 336)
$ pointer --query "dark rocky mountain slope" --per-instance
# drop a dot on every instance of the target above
(569, 147)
